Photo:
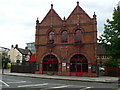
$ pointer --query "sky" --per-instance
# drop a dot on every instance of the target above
(18, 17)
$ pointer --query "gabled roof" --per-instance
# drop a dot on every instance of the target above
(77, 13)
(52, 18)
(24, 51)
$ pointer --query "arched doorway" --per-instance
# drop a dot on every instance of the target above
(50, 63)
(78, 64)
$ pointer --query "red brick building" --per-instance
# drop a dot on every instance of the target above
(67, 46)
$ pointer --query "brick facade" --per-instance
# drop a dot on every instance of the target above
(78, 19)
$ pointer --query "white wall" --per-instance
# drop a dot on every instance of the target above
(13, 55)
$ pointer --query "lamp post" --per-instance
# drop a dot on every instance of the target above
(3, 65)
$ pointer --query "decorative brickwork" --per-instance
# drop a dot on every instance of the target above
(64, 52)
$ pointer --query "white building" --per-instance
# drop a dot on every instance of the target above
(17, 55)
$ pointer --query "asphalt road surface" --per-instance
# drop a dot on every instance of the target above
(27, 83)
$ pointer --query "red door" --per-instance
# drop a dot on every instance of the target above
(78, 69)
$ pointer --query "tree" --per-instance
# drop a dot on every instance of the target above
(110, 39)
(5, 60)
(111, 63)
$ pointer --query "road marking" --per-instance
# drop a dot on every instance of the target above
(13, 80)
(18, 82)
(33, 85)
(85, 88)
(58, 87)
(4, 83)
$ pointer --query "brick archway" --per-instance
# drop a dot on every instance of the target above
(50, 63)
(78, 64)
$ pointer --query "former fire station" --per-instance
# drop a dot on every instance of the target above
(67, 46)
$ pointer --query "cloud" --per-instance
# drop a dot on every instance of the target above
(18, 17)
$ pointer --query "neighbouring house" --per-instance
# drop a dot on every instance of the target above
(67, 47)
(101, 55)
(18, 55)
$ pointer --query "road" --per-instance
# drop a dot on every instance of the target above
(46, 84)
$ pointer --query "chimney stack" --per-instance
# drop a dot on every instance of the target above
(16, 46)
(12, 46)
(26, 48)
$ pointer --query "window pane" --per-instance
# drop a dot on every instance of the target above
(50, 67)
(78, 35)
(72, 67)
(45, 67)
(84, 67)
(78, 67)
(51, 36)
(64, 36)
(37, 67)
(55, 67)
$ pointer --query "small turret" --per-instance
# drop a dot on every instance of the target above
(64, 21)
(51, 6)
(77, 3)
(94, 16)
(64, 18)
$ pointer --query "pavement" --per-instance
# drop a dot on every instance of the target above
(101, 79)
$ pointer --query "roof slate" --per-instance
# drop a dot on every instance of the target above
(23, 51)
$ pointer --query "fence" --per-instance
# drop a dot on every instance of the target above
(23, 68)
(112, 72)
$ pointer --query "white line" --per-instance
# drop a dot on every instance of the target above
(17, 82)
(4, 83)
(33, 85)
(60, 86)
(85, 88)
(13, 80)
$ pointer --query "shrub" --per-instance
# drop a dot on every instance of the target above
(111, 63)
(8, 66)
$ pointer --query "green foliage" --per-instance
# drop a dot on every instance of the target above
(110, 39)
(8, 66)
(5, 60)
(111, 63)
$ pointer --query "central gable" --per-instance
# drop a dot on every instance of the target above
(52, 18)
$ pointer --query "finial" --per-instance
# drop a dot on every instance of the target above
(77, 3)
(94, 16)
(51, 6)
(37, 21)
(64, 18)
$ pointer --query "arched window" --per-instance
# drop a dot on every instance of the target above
(51, 36)
(78, 35)
(64, 36)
